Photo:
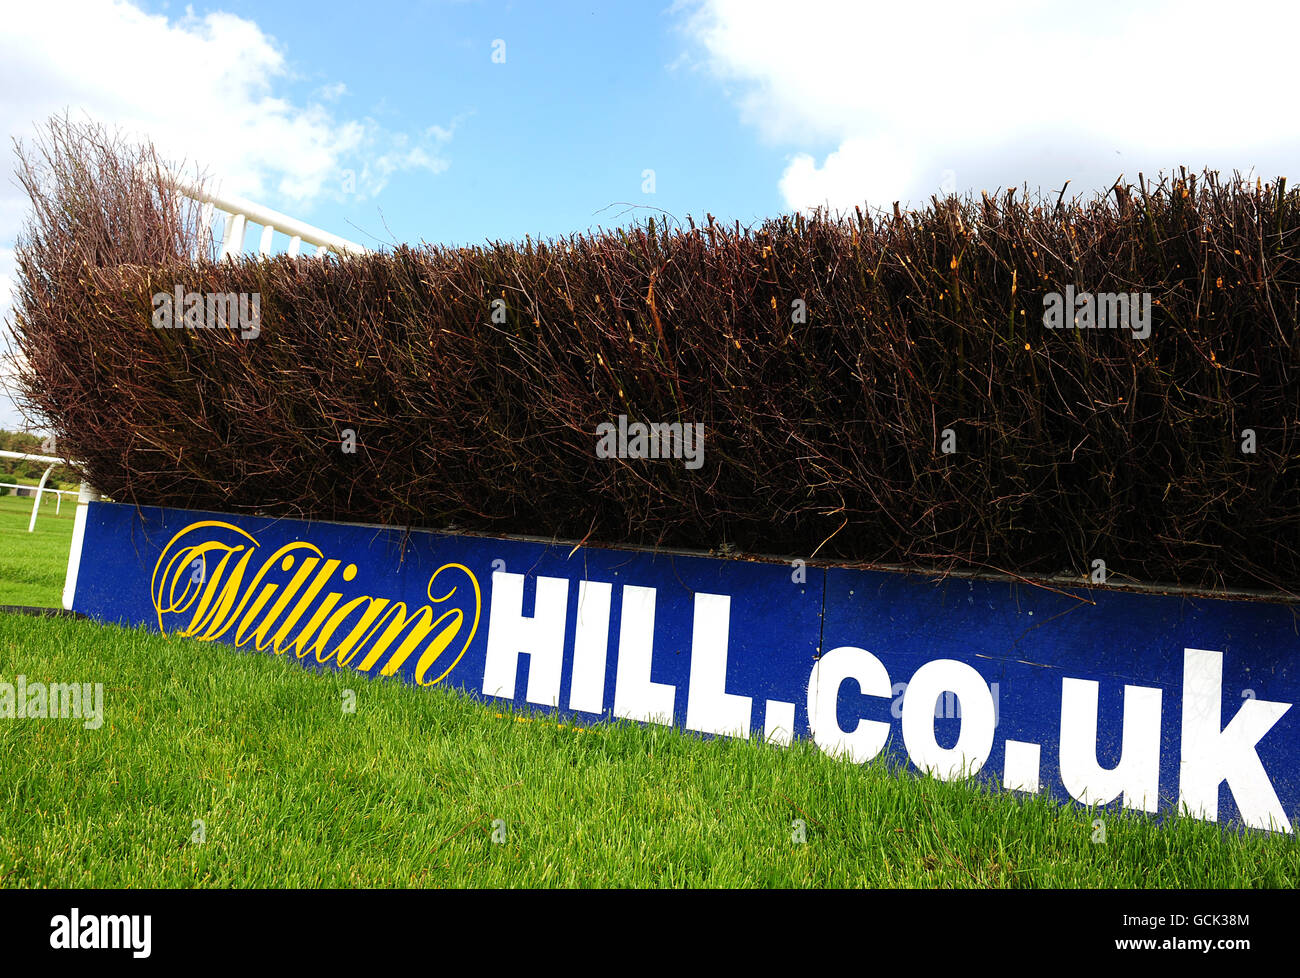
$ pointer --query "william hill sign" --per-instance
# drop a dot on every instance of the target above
(1150, 702)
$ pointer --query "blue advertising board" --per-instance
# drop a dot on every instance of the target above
(1153, 702)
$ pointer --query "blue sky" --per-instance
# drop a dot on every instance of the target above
(589, 96)
(394, 122)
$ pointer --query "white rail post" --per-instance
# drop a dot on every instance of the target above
(36, 506)
(233, 243)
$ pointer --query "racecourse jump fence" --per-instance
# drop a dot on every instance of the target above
(873, 388)
(876, 388)
(905, 391)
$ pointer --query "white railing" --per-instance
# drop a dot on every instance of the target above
(240, 213)
(58, 493)
(40, 487)
(85, 496)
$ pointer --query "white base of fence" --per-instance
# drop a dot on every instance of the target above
(86, 496)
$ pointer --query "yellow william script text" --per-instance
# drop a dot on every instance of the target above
(212, 577)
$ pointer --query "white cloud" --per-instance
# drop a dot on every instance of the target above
(210, 90)
(838, 183)
(1005, 91)
(207, 90)
(10, 419)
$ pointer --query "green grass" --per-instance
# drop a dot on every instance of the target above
(33, 565)
(294, 791)
(31, 480)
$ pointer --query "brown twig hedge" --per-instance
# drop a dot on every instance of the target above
(824, 424)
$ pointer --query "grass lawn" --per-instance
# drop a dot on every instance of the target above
(33, 565)
(215, 767)
(289, 789)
